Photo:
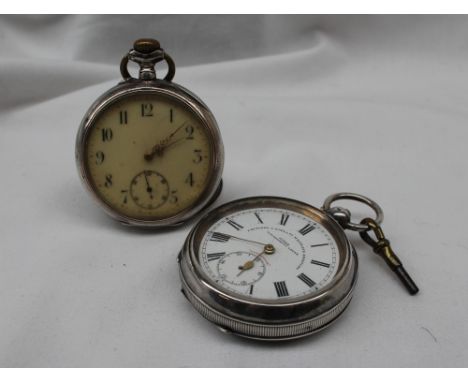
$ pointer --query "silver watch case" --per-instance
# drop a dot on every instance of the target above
(169, 89)
(262, 319)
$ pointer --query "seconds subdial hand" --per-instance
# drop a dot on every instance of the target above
(149, 189)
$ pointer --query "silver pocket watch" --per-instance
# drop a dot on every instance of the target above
(148, 150)
(273, 268)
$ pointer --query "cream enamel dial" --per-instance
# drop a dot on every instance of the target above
(148, 150)
(148, 156)
(302, 258)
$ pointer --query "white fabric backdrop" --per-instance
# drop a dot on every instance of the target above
(308, 106)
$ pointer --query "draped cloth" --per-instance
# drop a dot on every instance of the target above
(307, 106)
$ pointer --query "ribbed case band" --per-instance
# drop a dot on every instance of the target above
(253, 330)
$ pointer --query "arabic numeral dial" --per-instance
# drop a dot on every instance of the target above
(149, 157)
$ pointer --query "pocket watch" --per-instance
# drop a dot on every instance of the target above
(149, 150)
(273, 268)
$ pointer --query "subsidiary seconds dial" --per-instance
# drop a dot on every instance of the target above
(149, 189)
(240, 268)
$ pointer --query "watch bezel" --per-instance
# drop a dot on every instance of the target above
(190, 101)
(266, 311)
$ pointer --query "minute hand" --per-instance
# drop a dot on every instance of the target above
(163, 144)
(247, 240)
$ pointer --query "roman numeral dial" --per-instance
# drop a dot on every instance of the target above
(303, 260)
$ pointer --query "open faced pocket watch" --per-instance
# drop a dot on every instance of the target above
(273, 268)
(148, 150)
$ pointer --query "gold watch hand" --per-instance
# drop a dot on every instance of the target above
(267, 249)
(162, 145)
(246, 266)
(249, 264)
(175, 131)
(173, 143)
(159, 149)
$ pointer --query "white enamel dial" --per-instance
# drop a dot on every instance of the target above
(269, 253)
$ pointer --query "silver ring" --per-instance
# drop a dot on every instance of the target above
(379, 215)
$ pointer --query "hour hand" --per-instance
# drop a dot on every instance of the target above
(158, 148)
(247, 265)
